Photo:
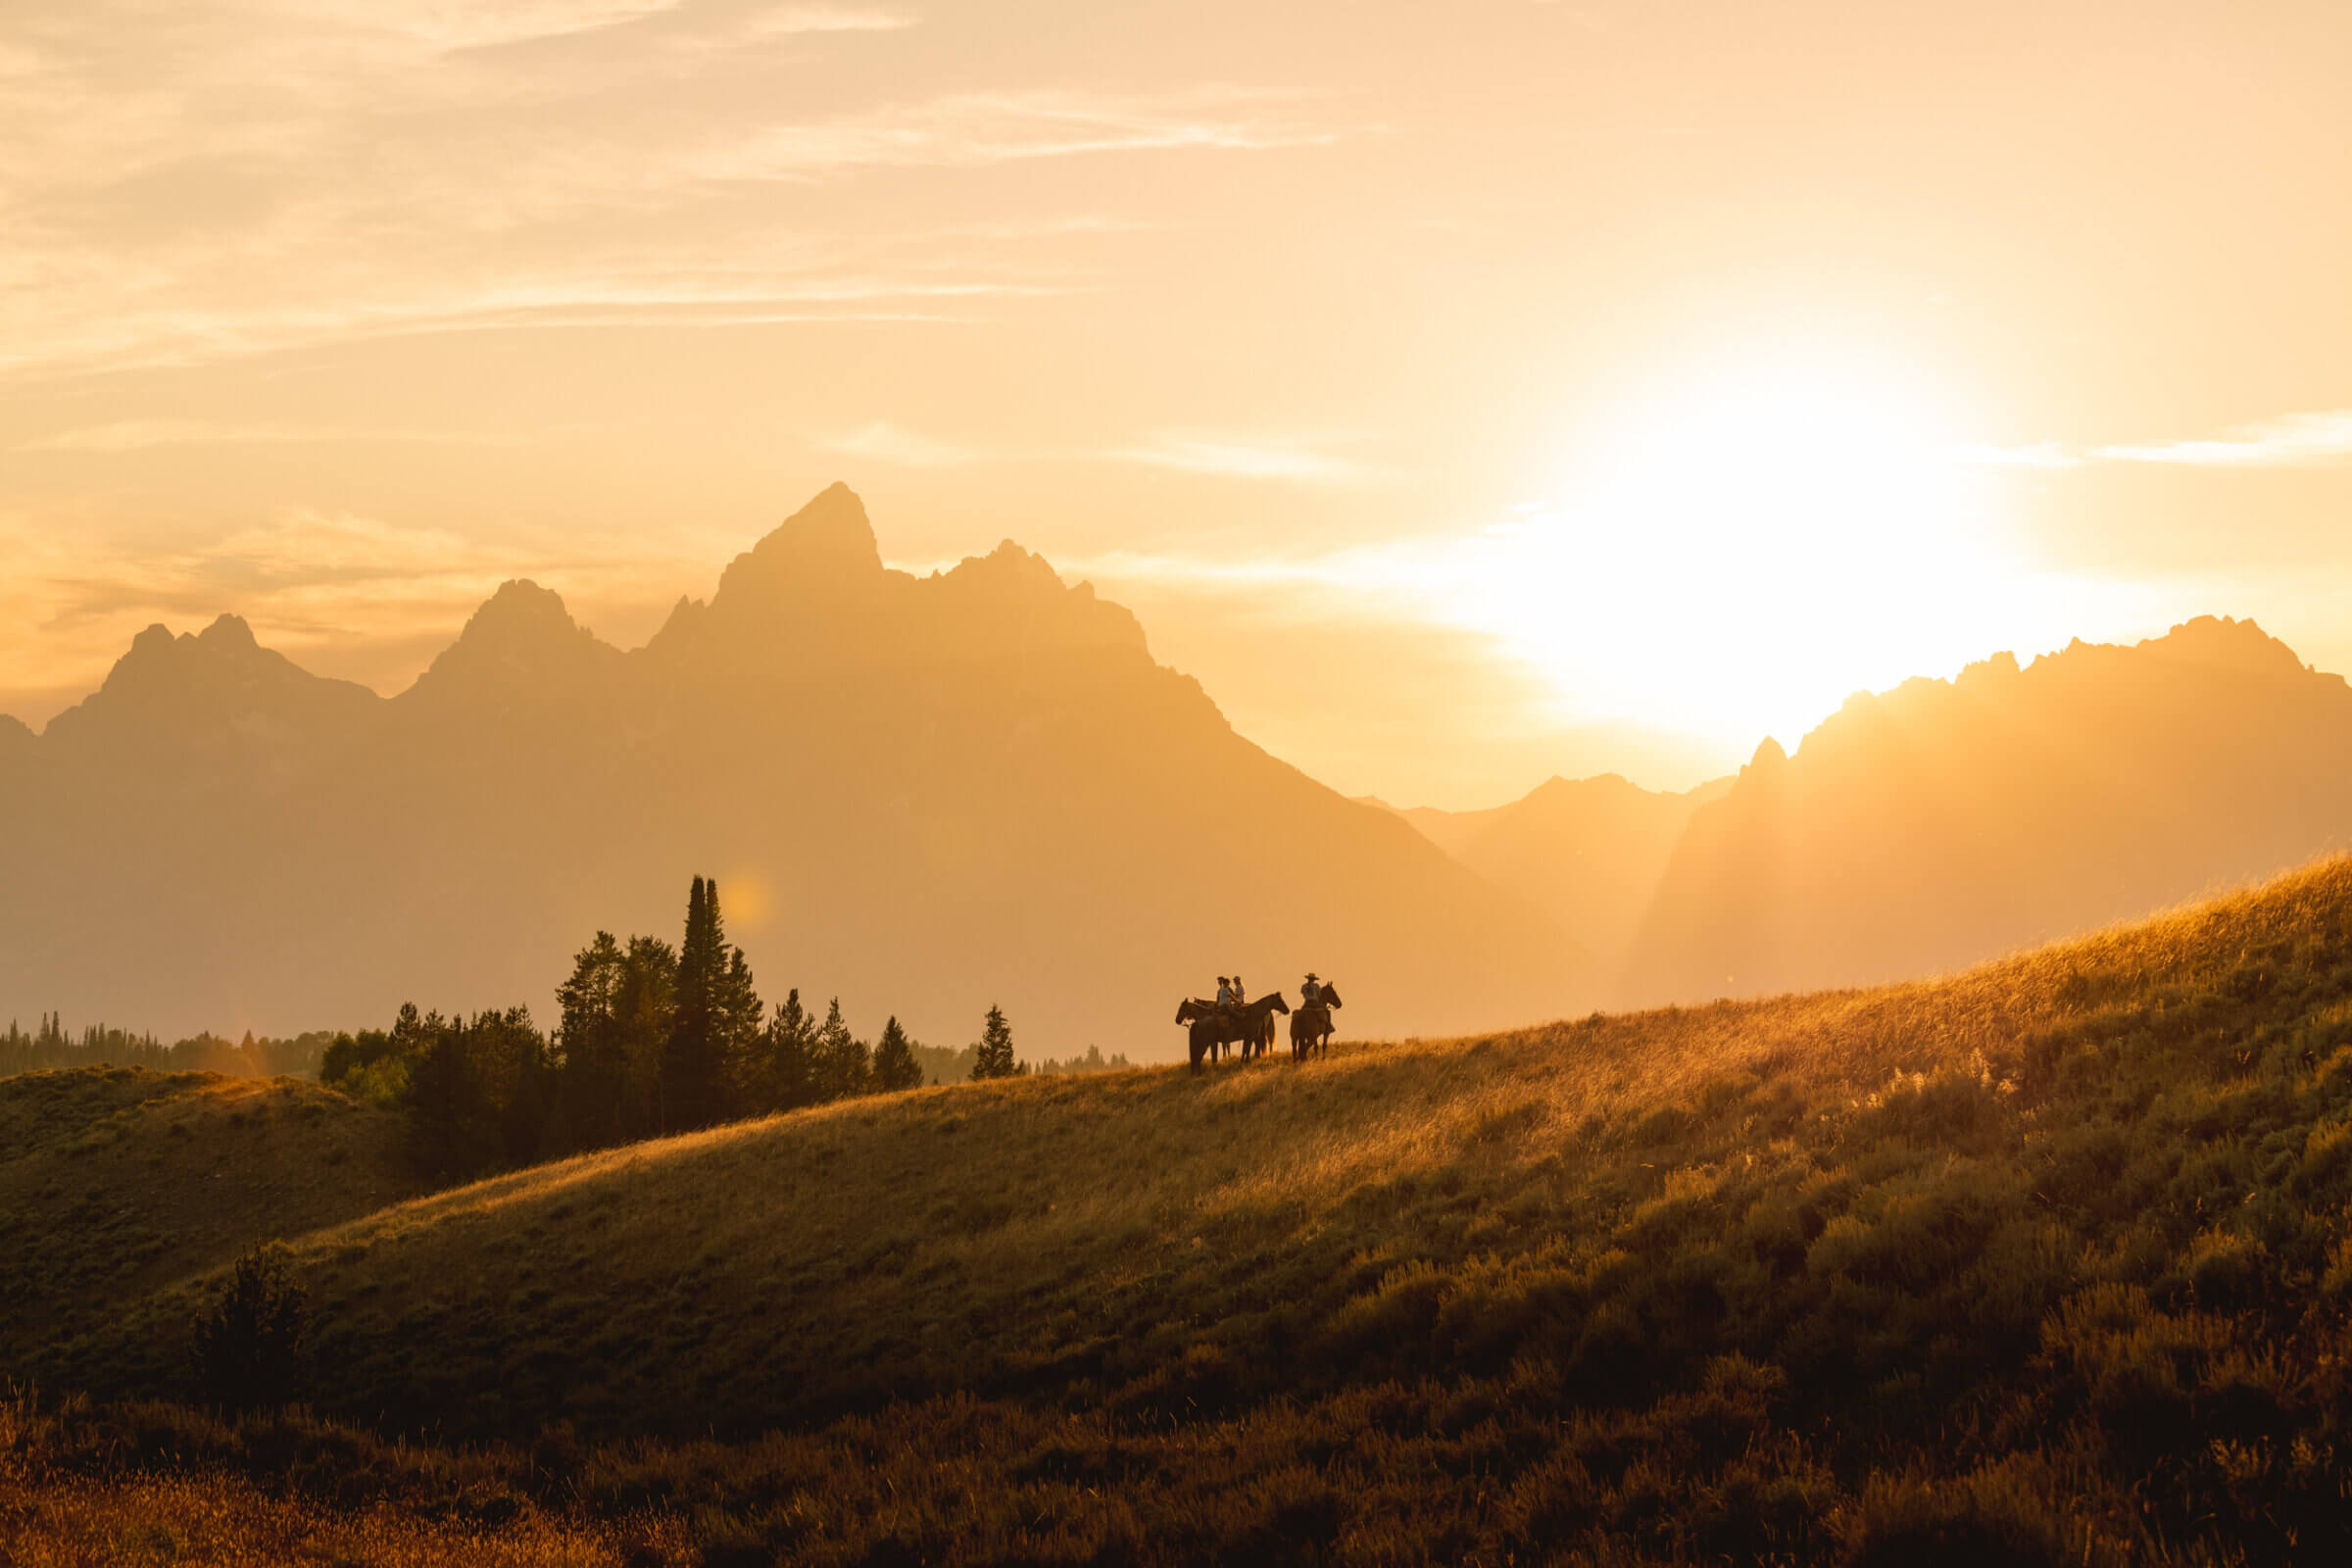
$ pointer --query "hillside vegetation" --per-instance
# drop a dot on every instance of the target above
(2042, 1262)
(116, 1182)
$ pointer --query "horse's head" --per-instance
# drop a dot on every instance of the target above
(1331, 997)
(1187, 1010)
(1280, 1006)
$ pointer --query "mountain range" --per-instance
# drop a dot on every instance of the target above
(1923, 829)
(924, 795)
(1589, 853)
(930, 795)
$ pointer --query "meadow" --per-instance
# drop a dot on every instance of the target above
(2046, 1261)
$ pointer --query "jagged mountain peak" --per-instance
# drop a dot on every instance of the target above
(170, 689)
(1936, 823)
(522, 639)
(231, 634)
(227, 638)
(223, 655)
(827, 545)
(2227, 643)
(520, 604)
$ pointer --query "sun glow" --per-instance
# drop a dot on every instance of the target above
(1742, 551)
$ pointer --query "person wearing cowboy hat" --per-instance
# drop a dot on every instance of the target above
(1311, 991)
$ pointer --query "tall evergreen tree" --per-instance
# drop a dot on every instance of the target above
(735, 1016)
(993, 1056)
(895, 1067)
(789, 1046)
(645, 1008)
(476, 1098)
(843, 1063)
(693, 1071)
(592, 1045)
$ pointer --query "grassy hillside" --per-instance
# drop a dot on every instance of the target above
(116, 1182)
(2046, 1261)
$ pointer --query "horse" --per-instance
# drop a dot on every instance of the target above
(1214, 1027)
(1311, 1027)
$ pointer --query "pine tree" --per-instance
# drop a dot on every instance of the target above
(736, 1019)
(843, 1066)
(694, 1075)
(644, 1010)
(247, 1343)
(993, 1056)
(895, 1067)
(592, 1046)
(788, 1045)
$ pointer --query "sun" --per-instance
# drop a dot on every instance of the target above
(1740, 547)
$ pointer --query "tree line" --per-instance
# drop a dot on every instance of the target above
(650, 1040)
(53, 1045)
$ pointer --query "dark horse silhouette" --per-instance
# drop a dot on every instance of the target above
(1311, 1027)
(1213, 1028)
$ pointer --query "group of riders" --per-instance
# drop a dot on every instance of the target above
(1234, 1020)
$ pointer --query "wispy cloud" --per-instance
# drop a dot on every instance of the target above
(975, 129)
(133, 435)
(884, 442)
(1302, 461)
(260, 175)
(371, 597)
(482, 24)
(2289, 441)
(2292, 440)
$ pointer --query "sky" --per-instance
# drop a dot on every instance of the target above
(1463, 393)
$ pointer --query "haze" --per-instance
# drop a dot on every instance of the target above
(1463, 394)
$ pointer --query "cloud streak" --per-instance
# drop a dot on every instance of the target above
(363, 597)
(2291, 441)
(2318, 439)
(135, 435)
(268, 175)
(1297, 459)
(883, 442)
(978, 130)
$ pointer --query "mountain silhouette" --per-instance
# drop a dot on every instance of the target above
(923, 793)
(1588, 852)
(1927, 827)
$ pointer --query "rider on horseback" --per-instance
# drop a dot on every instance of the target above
(1225, 993)
(1310, 993)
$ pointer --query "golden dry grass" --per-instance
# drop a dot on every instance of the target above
(223, 1522)
(2053, 1251)
(116, 1182)
(1037, 1233)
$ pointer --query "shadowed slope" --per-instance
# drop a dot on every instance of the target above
(1891, 1196)
(1932, 826)
(116, 1182)
(1587, 852)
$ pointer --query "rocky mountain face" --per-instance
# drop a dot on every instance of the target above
(924, 795)
(1927, 827)
(1589, 853)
